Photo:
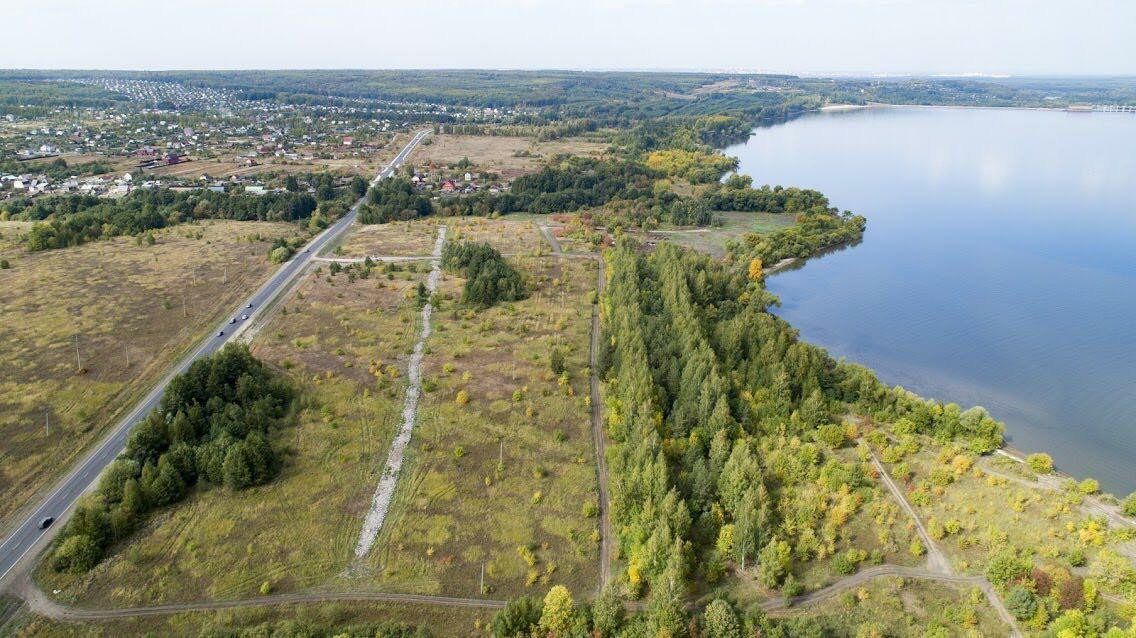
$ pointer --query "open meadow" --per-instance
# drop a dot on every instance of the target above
(88, 329)
(502, 475)
(416, 238)
(507, 156)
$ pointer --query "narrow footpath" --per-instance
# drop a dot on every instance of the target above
(380, 504)
(597, 410)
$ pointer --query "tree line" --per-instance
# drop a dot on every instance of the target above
(72, 220)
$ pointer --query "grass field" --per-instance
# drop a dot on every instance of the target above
(507, 479)
(507, 156)
(119, 302)
(712, 239)
(344, 342)
(509, 235)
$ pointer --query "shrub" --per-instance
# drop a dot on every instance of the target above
(832, 435)
(1021, 602)
(1089, 486)
(462, 397)
(76, 554)
(518, 618)
(1040, 462)
(1129, 505)
(917, 548)
(1006, 568)
(556, 361)
(4, 265)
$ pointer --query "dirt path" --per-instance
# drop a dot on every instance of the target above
(552, 241)
(39, 603)
(855, 580)
(937, 562)
(597, 431)
(380, 504)
(597, 409)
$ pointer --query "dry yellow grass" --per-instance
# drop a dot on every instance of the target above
(116, 300)
(299, 529)
(499, 154)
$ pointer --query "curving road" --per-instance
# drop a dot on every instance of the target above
(27, 535)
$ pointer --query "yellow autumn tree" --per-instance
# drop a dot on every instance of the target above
(756, 273)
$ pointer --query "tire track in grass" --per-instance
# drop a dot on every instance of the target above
(380, 503)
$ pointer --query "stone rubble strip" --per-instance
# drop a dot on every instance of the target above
(380, 503)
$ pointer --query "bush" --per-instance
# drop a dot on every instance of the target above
(1089, 486)
(1040, 462)
(556, 361)
(832, 435)
(76, 554)
(462, 397)
(518, 618)
(1129, 505)
(1006, 568)
(1021, 602)
(4, 265)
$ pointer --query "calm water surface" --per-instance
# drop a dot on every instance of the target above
(998, 268)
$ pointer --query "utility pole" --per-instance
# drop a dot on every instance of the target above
(184, 312)
(47, 422)
(78, 362)
(126, 350)
(483, 577)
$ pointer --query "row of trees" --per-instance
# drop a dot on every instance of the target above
(71, 220)
(213, 426)
(488, 277)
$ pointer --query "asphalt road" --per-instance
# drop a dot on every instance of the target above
(27, 535)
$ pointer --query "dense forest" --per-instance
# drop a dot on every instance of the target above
(212, 427)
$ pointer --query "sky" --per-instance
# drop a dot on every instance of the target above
(808, 37)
